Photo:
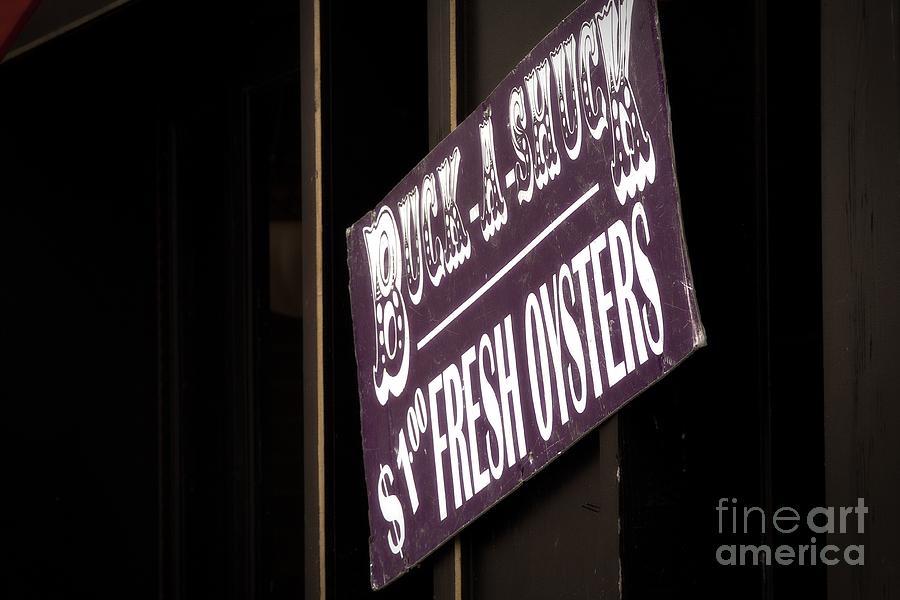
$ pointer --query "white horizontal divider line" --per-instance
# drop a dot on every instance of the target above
(507, 267)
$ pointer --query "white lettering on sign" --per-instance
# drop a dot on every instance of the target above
(495, 357)
(391, 322)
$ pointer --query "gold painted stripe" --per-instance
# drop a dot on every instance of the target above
(453, 93)
(320, 375)
(457, 546)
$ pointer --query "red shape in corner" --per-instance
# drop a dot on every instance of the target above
(13, 15)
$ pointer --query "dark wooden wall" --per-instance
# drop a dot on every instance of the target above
(861, 295)
(78, 311)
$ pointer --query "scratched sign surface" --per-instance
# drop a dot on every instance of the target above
(522, 283)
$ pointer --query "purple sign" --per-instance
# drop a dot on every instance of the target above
(521, 284)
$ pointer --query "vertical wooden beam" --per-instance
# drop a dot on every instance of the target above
(442, 119)
(454, 121)
(454, 93)
(313, 375)
(512, 552)
(320, 377)
(442, 70)
(861, 284)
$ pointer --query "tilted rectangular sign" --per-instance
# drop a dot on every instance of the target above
(521, 284)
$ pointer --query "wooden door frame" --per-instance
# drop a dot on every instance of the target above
(313, 342)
